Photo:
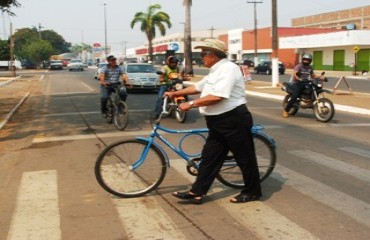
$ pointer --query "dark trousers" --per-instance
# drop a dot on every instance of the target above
(159, 102)
(105, 91)
(298, 88)
(230, 131)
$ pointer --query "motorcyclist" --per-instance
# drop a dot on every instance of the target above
(302, 73)
(171, 66)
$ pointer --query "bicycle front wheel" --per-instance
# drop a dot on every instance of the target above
(121, 116)
(230, 174)
(124, 171)
(110, 111)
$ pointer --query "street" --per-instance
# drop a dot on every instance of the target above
(318, 190)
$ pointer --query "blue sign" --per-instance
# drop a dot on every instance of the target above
(174, 46)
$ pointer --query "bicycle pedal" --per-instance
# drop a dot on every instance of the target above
(165, 113)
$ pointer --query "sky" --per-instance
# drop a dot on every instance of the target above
(82, 21)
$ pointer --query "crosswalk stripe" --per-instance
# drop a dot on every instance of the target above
(263, 223)
(145, 219)
(142, 218)
(357, 151)
(36, 215)
(352, 207)
(335, 164)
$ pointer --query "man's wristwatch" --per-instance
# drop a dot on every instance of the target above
(191, 103)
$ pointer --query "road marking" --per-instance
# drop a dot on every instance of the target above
(90, 136)
(88, 87)
(264, 223)
(146, 133)
(67, 93)
(142, 218)
(335, 164)
(36, 215)
(352, 207)
(85, 113)
(357, 151)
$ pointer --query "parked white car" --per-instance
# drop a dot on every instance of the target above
(75, 65)
(56, 65)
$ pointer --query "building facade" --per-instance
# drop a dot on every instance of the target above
(173, 42)
(350, 19)
(333, 39)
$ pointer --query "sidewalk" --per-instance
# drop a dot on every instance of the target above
(13, 92)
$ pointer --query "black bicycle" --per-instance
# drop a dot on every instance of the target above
(117, 109)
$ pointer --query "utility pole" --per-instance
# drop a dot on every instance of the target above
(255, 31)
(11, 65)
(40, 27)
(212, 29)
(124, 49)
(275, 46)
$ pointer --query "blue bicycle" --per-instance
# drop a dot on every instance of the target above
(135, 167)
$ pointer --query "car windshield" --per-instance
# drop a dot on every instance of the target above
(140, 68)
(55, 61)
(75, 61)
(101, 65)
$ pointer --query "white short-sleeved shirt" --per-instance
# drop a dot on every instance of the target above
(224, 80)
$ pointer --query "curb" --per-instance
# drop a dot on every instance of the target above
(9, 81)
(2, 124)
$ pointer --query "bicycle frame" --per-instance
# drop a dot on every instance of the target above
(151, 140)
(186, 157)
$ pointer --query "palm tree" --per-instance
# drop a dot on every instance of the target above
(187, 37)
(149, 21)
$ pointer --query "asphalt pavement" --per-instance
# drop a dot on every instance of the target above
(14, 91)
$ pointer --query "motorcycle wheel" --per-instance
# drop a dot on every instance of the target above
(324, 110)
(294, 109)
(180, 115)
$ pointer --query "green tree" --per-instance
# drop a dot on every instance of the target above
(149, 21)
(187, 37)
(38, 51)
(56, 40)
(22, 38)
(79, 48)
(5, 5)
(4, 50)
(25, 36)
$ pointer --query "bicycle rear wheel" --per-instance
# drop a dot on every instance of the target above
(121, 116)
(230, 174)
(115, 171)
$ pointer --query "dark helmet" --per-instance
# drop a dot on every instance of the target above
(172, 59)
(308, 58)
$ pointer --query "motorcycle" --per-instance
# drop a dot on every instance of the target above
(312, 97)
(170, 106)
